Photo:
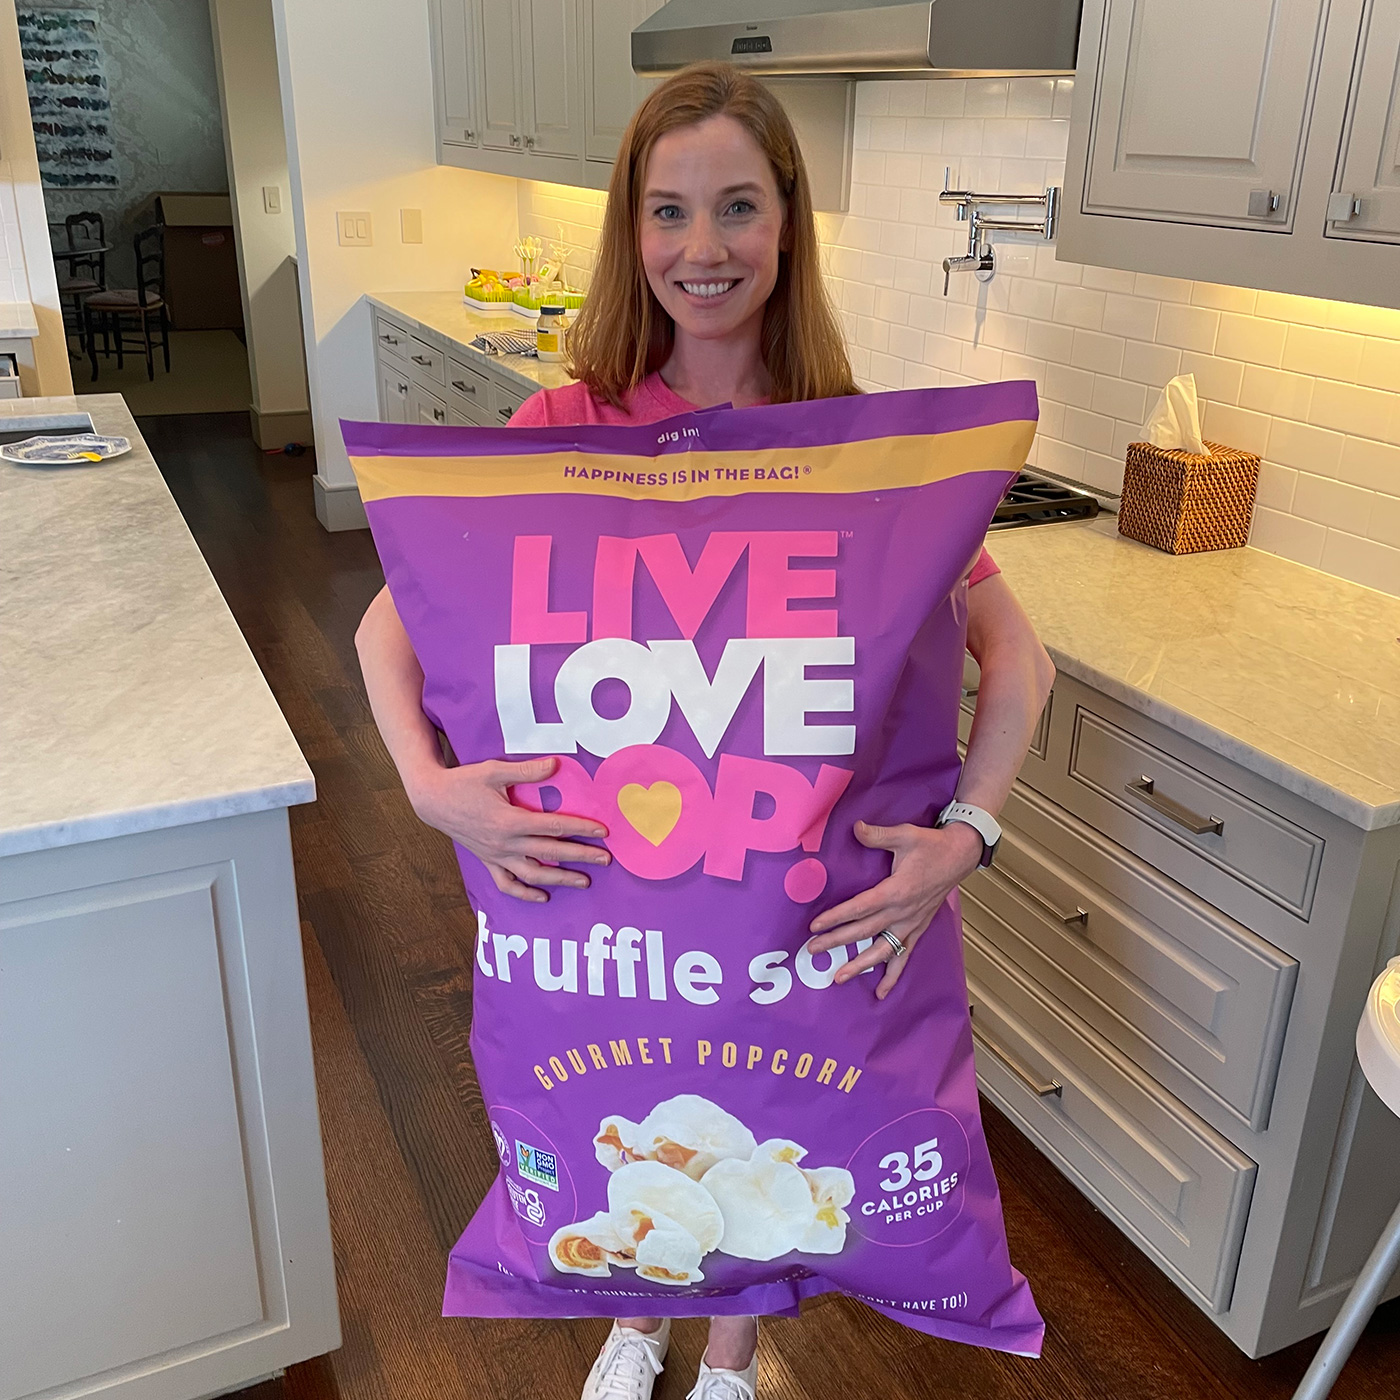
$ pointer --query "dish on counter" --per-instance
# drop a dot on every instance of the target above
(67, 450)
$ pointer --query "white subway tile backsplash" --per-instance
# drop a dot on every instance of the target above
(1313, 386)
(1096, 351)
(1216, 379)
(1365, 561)
(1349, 408)
(1375, 465)
(1251, 338)
(1333, 503)
(1188, 327)
(1331, 354)
(1288, 535)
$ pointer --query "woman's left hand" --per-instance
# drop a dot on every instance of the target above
(928, 863)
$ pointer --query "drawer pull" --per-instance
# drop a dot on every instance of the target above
(464, 388)
(1078, 916)
(1043, 1087)
(389, 339)
(504, 414)
(420, 360)
(1143, 789)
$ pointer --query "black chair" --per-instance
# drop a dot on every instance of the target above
(86, 258)
(144, 303)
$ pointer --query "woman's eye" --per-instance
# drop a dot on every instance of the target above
(741, 206)
(667, 213)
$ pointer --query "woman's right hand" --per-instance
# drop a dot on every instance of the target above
(521, 849)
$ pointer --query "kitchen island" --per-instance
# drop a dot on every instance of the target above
(164, 1228)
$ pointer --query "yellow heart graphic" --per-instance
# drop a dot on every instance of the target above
(653, 811)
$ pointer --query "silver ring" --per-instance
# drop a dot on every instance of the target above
(893, 941)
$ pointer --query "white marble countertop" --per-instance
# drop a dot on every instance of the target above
(1289, 672)
(17, 321)
(444, 315)
(129, 700)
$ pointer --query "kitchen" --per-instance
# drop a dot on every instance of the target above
(1235, 1146)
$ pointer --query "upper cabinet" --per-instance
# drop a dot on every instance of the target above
(544, 89)
(1367, 202)
(612, 90)
(1255, 142)
(1200, 109)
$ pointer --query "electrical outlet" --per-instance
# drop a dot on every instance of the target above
(354, 229)
(272, 199)
(411, 225)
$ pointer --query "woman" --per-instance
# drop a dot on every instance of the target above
(708, 291)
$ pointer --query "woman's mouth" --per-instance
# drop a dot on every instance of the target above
(708, 291)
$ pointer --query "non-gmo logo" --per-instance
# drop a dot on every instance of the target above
(535, 1164)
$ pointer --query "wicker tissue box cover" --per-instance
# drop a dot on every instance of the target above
(1184, 504)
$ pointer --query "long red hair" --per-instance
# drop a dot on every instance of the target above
(622, 333)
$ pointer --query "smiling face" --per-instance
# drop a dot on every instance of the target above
(711, 228)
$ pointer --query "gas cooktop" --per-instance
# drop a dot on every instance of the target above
(1036, 500)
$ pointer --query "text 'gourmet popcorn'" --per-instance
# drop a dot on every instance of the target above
(734, 633)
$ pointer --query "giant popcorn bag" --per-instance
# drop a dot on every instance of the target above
(740, 631)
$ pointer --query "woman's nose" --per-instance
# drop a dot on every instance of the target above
(705, 247)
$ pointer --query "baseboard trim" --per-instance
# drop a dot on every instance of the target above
(278, 429)
(339, 507)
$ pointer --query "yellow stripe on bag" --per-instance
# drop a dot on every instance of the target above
(882, 464)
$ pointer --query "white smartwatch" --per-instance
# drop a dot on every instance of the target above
(983, 823)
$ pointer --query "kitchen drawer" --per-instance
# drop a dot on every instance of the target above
(471, 388)
(1146, 792)
(1173, 1184)
(429, 363)
(424, 406)
(1191, 996)
(504, 401)
(390, 337)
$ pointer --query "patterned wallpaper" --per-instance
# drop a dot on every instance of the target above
(165, 115)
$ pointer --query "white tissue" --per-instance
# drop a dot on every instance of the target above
(1176, 420)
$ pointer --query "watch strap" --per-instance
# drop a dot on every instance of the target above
(981, 821)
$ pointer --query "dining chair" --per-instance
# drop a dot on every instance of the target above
(144, 303)
(85, 234)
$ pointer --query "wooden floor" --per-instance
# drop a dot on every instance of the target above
(388, 936)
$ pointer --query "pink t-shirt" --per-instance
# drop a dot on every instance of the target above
(652, 399)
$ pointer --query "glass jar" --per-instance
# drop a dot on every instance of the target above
(549, 333)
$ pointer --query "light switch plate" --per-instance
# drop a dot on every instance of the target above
(411, 225)
(354, 228)
(272, 199)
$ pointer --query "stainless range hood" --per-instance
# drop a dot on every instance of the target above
(935, 38)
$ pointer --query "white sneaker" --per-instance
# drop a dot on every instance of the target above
(629, 1363)
(715, 1383)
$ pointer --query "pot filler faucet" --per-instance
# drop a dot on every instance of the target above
(980, 257)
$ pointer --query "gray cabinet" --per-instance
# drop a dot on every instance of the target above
(1366, 202)
(502, 103)
(1167, 963)
(456, 71)
(1199, 106)
(611, 90)
(1255, 143)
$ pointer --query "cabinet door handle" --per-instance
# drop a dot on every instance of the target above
(420, 360)
(1143, 789)
(1045, 1088)
(1078, 916)
(514, 139)
(403, 388)
(530, 143)
(464, 388)
(439, 414)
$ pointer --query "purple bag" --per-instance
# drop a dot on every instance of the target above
(740, 630)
